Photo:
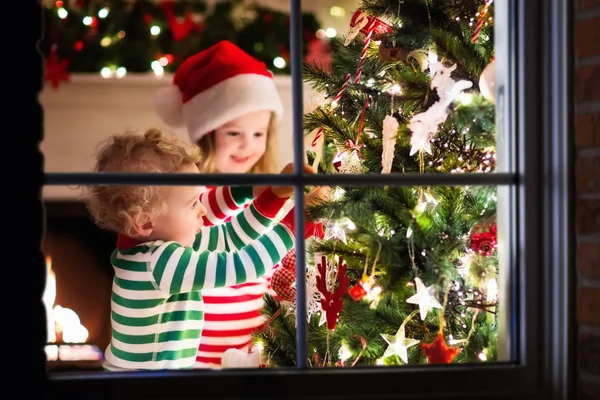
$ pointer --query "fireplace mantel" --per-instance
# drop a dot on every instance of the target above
(85, 111)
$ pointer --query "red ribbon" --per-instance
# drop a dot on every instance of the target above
(354, 146)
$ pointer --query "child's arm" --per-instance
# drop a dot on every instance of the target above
(245, 227)
(177, 269)
(223, 202)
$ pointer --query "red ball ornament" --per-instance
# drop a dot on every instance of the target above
(483, 239)
(438, 352)
(357, 292)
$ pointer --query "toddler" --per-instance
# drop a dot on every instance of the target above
(165, 258)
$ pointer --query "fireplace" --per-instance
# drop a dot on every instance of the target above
(78, 287)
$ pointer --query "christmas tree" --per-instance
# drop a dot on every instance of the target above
(403, 275)
(157, 35)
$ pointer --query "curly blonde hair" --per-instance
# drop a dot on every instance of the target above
(117, 207)
(267, 164)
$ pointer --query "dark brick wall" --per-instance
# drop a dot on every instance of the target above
(587, 184)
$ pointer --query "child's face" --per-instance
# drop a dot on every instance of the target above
(242, 142)
(183, 218)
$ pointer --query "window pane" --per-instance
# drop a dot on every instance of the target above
(120, 79)
(406, 87)
(396, 267)
(108, 300)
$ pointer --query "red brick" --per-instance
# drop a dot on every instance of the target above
(588, 307)
(588, 259)
(587, 130)
(586, 4)
(587, 37)
(588, 216)
(589, 353)
(587, 174)
(587, 83)
(589, 391)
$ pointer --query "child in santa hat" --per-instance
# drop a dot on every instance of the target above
(230, 106)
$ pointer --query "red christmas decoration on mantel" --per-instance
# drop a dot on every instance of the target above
(332, 302)
(438, 352)
(180, 27)
(483, 238)
(56, 70)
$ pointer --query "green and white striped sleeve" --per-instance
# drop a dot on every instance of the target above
(254, 221)
(177, 269)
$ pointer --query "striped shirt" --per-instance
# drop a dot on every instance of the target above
(231, 314)
(157, 307)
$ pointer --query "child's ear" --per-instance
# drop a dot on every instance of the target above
(142, 224)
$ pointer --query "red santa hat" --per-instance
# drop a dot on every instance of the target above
(214, 87)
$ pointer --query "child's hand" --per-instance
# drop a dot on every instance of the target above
(256, 190)
(287, 191)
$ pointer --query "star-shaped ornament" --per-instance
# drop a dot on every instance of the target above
(398, 344)
(424, 299)
(438, 352)
(420, 141)
(333, 230)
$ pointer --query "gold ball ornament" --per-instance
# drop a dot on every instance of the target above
(487, 82)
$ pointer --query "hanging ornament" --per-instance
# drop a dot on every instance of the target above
(360, 24)
(284, 277)
(314, 144)
(483, 238)
(389, 52)
(313, 296)
(424, 298)
(55, 69)
(438, 351)
(365, 288)
(487, 82)
(334, 230)
(481, 19)
(357, 291)
(398, 344)
(424, 125)
(388, 140)
(332, 302)
(351, 164)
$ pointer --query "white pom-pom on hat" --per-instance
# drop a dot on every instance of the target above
(169, 106)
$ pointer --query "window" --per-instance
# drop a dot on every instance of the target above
(533, 50)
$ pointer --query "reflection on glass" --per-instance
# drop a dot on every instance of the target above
(410, 88)
(402, 275)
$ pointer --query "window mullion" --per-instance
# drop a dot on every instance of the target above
(298, 140)
(485, 179)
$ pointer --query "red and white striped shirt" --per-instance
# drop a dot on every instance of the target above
(232, 313)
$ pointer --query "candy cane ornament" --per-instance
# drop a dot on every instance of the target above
(364, 53)
(336, 101)
(481, 21)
